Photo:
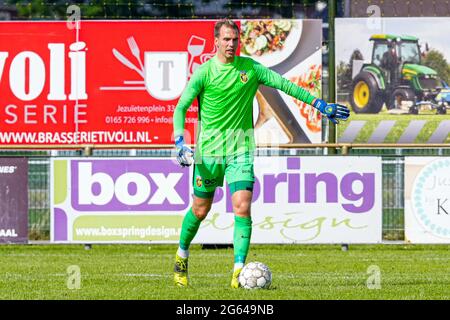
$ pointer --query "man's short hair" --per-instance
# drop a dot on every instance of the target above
(225, 22)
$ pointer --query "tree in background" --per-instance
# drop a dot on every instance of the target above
(166, 9)
(344, 72)
(103, 9)
(436, 60)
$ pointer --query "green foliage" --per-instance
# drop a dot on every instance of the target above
(436, 60)
(344, 72)
(36, 9)
(163, 9)
(102, 9)
(344, 76)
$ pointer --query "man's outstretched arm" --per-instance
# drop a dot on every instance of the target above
(193, 89)
(333, 111)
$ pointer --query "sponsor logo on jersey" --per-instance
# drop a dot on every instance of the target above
(244, 77)
(210, 182)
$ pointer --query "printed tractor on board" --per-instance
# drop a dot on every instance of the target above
(396, 77)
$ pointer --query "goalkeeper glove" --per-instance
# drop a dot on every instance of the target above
(333, 111)
(184, 153)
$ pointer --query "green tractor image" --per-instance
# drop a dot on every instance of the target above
(395, 77)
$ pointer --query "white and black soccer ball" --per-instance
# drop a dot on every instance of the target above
(255, 275)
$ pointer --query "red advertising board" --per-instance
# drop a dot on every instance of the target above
(108, 82)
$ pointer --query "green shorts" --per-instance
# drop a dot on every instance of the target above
(210, 172)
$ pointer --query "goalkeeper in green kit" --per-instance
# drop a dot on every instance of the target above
(225, 86)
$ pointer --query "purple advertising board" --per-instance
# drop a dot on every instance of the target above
(13, 200)
(295, 200)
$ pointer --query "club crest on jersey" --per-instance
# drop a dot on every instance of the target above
(244, 77)
(198, 181)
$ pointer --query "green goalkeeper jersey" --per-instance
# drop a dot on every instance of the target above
(226, 92)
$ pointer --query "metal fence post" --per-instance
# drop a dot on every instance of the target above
(345, 150)
(331, 69)
(87, 152)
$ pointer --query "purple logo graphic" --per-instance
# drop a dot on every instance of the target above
(129, 185)
(354, 191)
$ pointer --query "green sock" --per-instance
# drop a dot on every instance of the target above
(189, 229)
(242, 234)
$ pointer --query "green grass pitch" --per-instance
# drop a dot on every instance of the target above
(299, 272)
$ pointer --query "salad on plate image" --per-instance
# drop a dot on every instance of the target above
(269, 41)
